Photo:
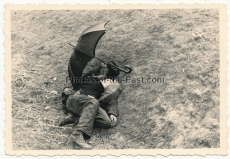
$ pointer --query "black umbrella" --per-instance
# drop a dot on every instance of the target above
(85, 51)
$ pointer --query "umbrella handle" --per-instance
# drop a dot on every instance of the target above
(127, 69)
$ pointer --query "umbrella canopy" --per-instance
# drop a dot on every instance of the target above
(89, 39)
(84, 51)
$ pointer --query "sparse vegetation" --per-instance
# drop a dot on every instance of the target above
(181, 46)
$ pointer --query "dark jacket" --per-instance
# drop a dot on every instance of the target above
(108, 100)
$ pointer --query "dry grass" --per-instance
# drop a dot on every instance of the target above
(181, 46)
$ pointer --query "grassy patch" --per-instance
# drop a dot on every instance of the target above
(181, 46)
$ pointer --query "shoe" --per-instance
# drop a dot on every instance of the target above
(78, 139)
(70, 119)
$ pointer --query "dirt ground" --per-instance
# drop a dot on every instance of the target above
(181, 46)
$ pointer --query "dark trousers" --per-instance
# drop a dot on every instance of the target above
(90, 112)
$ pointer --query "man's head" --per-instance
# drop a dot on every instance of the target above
(103, 69)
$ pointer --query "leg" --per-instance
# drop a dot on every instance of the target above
(87, 118)
(102, 120)
(86, 107)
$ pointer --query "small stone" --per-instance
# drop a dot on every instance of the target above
(47, 108)
(54, 92)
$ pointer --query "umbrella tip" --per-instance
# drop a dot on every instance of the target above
(107, 22)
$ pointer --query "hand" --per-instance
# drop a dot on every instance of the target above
(113, 120)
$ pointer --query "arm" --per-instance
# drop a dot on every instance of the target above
(110, 100)
(112, 110)
(112, 107)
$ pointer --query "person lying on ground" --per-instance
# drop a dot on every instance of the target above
(95, 103)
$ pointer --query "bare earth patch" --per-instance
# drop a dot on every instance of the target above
(181, 46)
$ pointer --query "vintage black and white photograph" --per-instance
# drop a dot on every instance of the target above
(117, 79)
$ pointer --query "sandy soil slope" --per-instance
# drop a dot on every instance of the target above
(181, 46)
